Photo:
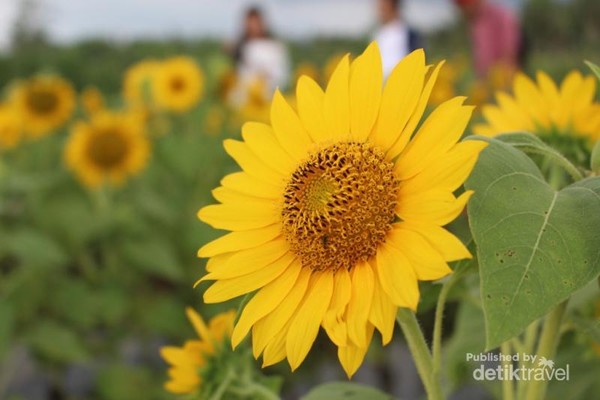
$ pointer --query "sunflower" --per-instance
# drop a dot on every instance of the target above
(92, 100)
(308, 69)
(45, 103)
(177, 85)
(107, 149)
(10, 127)
(543, 108)
(186, 361)
(339, 210)
(137, 81)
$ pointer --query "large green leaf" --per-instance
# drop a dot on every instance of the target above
(345, 391)
(536, 246)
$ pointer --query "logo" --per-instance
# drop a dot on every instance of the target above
(516, 367)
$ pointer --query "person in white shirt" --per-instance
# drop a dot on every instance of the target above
(260, 57)
(394, 37)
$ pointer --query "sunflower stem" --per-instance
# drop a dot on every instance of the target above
(536, 389)
(439, 316)
(420, 352)
(508, 389)
(557, 159)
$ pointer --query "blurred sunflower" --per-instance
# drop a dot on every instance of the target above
(545, 109)
(178, 84)
(137, 81)
(45, 103)
(330, 65)
(188, 360)
(11, 128)
(92, 100)
(107, 149)
(308, 69)
(339, 210)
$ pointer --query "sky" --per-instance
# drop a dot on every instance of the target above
(72, 20)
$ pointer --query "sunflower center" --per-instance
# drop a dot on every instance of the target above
(177, 84)
(339, 206)
(108, 148)
(41, 101)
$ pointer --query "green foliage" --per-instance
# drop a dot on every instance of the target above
(536, 245)
(345, 391)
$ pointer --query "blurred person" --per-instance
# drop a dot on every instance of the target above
(496, 38)
(259, 57)
(395, 38)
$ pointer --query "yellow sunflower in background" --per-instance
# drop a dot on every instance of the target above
(107, 149)
(137, 81)
(92, 100)
(11, 127)
(339, 209)
(178, 84)
(544, 108)
(308, 69)
(45, 103)
(187, 360)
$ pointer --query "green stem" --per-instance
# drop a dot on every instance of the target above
(218, 394)
(528, 347)
(263, 392)
(558, 158)
(536, 389)
(439, 316)
(508, 389)
(421, 355)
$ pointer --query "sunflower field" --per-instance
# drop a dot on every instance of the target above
(427, 235)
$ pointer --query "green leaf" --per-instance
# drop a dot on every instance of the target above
(535, 246)
(345, 391)
(595, 159)
(57, 343)
(153, 255)
(7, 325)
(33, 247)
(595, 69)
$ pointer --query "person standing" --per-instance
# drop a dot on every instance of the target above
(496, 38)
(259, 56)
(394, 37)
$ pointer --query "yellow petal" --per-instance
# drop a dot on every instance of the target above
(440, 131)
(444, 242)
(351, 356)
(236, 241)
(383, 311)
(449, 171)
(333, 321)
(250, 163)
(427, 263)
(275, 350)
(251, 260)
(226, 195)
(288, 129)
(238, 217)
(244, 183)
(310, 98)
(336, 104)
(198, 324)
(266, 328)
(264, 301)
(359, 306)
(417, 114)
(366, 81)
(305, 324)
(400, 98)
(226, 289)
(262, 142)
(434, 206)
(397, 277)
